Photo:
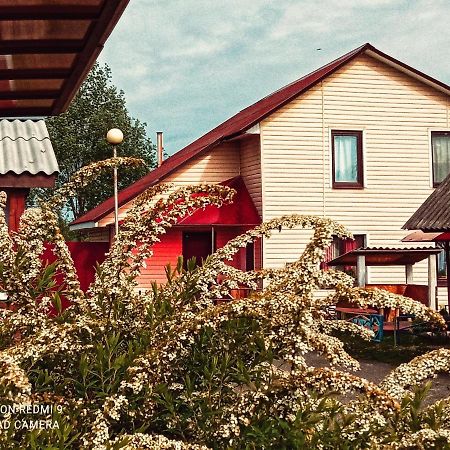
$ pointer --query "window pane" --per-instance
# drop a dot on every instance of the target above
(346, 159)
(441, 156)
(442, 267)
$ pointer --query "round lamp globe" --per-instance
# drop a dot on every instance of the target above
(114, 136)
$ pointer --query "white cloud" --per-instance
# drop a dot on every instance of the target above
(187, 65)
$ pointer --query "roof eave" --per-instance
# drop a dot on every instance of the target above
(408, 70)
(83, 226)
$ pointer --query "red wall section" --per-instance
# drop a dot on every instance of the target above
(85, 256)
(258, 254)
(16, 200)
(164, 252)
(171, 247)
(223, 235)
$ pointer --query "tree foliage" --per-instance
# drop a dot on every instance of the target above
(78, 138)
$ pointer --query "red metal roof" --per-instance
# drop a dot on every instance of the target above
(241, 212)
(244, 120)
(423, 236)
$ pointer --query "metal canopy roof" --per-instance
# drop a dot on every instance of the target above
(241, 211)
(47, 47)
(379, 256)
(434, 213)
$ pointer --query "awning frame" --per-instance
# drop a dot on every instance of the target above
(377, 256)
(18, 95)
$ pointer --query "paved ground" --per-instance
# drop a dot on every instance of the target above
(375, 371)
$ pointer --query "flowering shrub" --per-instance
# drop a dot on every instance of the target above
(170, 368)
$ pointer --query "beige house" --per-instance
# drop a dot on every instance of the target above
(362, 140)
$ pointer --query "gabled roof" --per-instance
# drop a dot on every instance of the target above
(25, 147)
(246, 119)
(47, 47)
(434, 213)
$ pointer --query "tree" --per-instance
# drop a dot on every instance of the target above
(78, 138)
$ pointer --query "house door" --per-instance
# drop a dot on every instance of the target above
(197, 244)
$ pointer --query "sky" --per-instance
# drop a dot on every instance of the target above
(187, 65)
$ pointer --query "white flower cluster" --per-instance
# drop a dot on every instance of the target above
(140, 441)
(290, 321)
(413, 373)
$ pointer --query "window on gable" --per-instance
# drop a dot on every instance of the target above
(440, 149)
(347, 159)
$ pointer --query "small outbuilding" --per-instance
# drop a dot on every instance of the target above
(27, 160)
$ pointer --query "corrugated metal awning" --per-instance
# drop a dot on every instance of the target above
(434, 213)
(25, 147)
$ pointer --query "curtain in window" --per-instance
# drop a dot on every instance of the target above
(442, 267)
(441, 157)
(345, 159)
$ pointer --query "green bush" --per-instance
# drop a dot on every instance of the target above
(173, 368)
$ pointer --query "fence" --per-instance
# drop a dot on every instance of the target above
(85, 256)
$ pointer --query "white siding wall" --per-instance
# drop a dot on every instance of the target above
(396, 114)
(251, 168)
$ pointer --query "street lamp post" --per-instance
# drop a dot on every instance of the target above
(115, 137)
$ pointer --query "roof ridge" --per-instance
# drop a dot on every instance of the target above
(238, 124)
(281, 89)
(346, 55)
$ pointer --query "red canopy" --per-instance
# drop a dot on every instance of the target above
(426, 236)
(241, 212)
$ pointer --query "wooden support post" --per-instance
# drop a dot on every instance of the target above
(432, 282)
(409, 274)
(16, 201)
(360, 270)
(447, 264)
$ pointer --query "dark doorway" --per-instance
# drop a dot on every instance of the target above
(250, 256)
(196, 244)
